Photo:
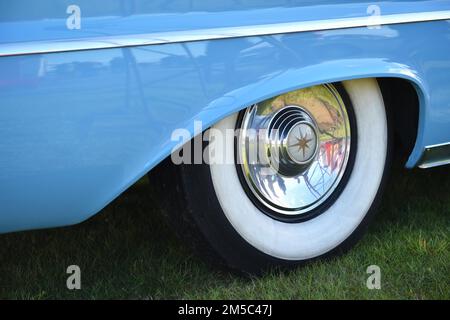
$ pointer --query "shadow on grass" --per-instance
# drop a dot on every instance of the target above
(412, 197)
(128, 251)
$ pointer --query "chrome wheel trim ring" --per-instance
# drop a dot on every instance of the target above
(295, 189)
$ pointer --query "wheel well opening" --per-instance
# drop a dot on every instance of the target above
(402, 104)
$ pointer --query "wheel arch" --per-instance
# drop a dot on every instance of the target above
(390, 76)
(412, 100)
(402, 101)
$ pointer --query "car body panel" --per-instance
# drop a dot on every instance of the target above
(78, 128)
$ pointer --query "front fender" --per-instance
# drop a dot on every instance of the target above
(78, 128)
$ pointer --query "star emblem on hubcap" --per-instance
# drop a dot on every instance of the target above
(301, 143)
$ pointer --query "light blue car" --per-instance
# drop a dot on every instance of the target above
(267, 127)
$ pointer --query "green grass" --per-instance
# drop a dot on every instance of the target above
(127, 251)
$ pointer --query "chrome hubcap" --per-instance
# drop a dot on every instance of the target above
(293, 149)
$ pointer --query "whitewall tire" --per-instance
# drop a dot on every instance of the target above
(231, 215)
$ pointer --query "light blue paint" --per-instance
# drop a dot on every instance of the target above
(78, 128)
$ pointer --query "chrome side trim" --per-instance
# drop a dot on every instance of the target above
(107, 42)
(435, 155)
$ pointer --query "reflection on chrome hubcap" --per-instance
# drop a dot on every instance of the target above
(301, 140)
